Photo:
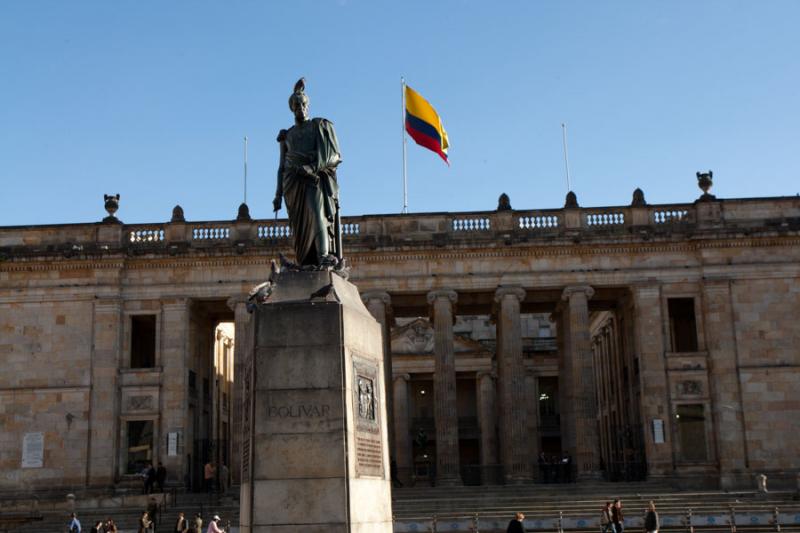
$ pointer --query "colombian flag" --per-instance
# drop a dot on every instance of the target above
(424, 124)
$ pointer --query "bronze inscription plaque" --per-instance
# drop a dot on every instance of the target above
(367, 416)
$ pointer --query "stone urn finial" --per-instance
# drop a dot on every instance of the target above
(244, 213)
(177, 214)
(111, 205)
(504, 203)
(704, 181)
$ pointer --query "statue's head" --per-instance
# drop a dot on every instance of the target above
(298, 102)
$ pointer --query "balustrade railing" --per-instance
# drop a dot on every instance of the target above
(667, 215)
(605, 218)
(478, 223)
(351, 229)
(146, 235)
(418, 228)
(538, 221)
(274, 231)
(211, 233)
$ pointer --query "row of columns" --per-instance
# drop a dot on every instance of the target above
(510, 405)
(615, 404)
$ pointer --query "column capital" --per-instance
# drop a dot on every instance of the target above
(234, 301)
(381, 296)
(486, 374)
(443, 293)
(404, 377)
(512, 290)
(572, 290)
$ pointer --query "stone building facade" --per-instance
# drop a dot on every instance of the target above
(645, 341)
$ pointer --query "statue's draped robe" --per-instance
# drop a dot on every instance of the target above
(311, 206)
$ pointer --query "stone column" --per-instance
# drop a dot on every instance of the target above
(532, 407)
(104, 405)
(378, 303)
(579, 382)
(511, 386)
(174, 386)
(402, 429)
(649, 344)
(444, 388)
(487, 415)
(241, 318)
(724, 382)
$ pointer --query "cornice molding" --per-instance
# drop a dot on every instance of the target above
(263, 257)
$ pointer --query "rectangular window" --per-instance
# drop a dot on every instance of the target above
(140, 445)
(691, 423)
(143, 341)
(682, 325)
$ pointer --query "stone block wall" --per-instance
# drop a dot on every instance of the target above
(45, 344)
(62, 416)
(768, 340)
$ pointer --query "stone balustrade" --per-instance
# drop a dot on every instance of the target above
(779, 214)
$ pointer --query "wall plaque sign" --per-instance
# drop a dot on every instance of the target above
(366, 407)
(33, 450)
(658, 431)
(172, 443)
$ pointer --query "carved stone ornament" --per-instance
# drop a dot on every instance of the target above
(177, 214)
(243, 215)
(111, 205)
(504, 203)
(638, 198)
(571, 201)
(140, 403)
(690, 388)
(705, 182)
(366, 398)
(420, 336)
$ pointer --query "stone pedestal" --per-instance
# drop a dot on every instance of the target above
(315, 453)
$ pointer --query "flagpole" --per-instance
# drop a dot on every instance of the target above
(403, 126)
(245, 169)
(566, 156)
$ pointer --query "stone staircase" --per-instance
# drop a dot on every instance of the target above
(486, 509)
(127, 517)
(577, 508)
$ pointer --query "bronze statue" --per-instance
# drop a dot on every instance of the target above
(307, 180)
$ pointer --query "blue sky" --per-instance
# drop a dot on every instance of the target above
(151, 100)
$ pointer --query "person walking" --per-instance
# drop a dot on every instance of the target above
(651, 519)
(213, 527)
(161, 476)
(152, 513)
(515, 526)
(181, 525)
(617, 517)
(198, 524)
(98, 527)
(208, 476)
(144, 523)
(74, 525)
(605, 519)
